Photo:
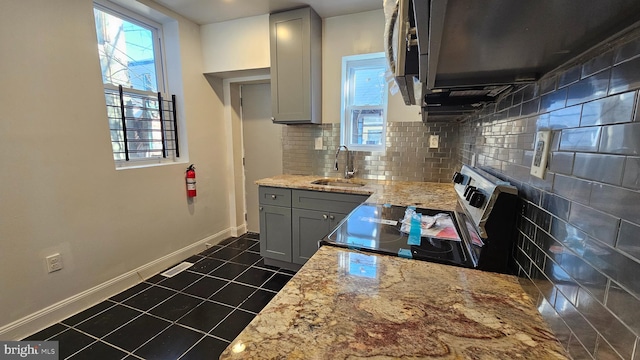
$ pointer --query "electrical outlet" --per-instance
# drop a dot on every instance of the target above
(54, 262)
(433, 141)
(541, 153)
(318, 143)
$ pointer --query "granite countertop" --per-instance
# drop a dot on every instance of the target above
(344, 304)
(404, 193)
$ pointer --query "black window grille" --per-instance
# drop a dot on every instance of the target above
(142, 126)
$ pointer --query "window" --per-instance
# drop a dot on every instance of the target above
(142, 121)
(364, 102)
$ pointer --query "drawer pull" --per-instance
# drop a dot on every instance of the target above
(273, 197)
(261, 208)
(324, 216)
(332, 217)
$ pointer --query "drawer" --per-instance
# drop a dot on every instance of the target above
(326, 201)
(274, 196)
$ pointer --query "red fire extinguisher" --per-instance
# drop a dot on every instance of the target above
(191, 181)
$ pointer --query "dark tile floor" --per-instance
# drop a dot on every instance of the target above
(192, 315)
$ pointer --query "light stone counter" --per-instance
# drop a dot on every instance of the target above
(344, 304)
(403, 193)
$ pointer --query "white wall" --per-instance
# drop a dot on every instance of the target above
(59, 190)
(245, 45)
(354, 34)
(236, 44)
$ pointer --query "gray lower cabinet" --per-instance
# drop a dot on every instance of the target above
(308, 227)
(292, 221)
(275, 223)
(275, 232)
(314, 215)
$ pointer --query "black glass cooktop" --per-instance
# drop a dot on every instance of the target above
(378, 229)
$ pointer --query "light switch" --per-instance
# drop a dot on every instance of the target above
(540, 153)
(318, 144)
(433, 141)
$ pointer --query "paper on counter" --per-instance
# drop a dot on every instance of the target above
(438, 226)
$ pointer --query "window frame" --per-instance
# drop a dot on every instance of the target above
(158, 40)
(161, 74)
(349, 63)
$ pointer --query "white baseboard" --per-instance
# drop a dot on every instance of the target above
(240, 230)
(61, 310)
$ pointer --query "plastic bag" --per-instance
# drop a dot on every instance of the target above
(438, 226)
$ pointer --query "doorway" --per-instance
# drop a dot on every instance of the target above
(262, 145)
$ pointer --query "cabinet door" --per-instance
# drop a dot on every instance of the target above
(309, 226)
(334, 220)
(295, 40)
(275, 232)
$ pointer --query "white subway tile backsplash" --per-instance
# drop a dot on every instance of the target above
(621, 139)
(602, 168)
(585, 215)
(565, 118)
(631, 177)
(407, 157)
(625, 76)
(580, 139)
(609, 110)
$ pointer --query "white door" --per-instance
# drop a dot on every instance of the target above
(262, 140)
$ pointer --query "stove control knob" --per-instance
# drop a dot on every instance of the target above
(468, 190)
(458, 178)
(477, 199)
(470, 194)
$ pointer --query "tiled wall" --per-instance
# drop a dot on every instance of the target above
(578, 246)
(407, 158)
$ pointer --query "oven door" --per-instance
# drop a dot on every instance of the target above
(471, 240)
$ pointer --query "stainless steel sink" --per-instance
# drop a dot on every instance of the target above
(337, 182)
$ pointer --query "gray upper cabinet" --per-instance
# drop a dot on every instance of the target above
(296, 68)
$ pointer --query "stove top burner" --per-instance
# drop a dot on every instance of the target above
(486, 216)
(432, 246)
(392, 234)
(370, 228)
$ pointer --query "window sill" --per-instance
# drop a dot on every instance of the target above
(121, 165)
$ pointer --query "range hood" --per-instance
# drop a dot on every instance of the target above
(454, 103)
(469, 51)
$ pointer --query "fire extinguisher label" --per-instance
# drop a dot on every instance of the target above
(191, 184)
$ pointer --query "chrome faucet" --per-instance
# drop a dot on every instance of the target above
(349, 169)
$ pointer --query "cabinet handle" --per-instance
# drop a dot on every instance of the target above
(324, 216)
(332, 217)
(261, 208)
(273, 118)
(273, 197)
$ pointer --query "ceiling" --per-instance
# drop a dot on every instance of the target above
(212, 11)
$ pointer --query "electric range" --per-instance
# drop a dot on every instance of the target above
(478, 234)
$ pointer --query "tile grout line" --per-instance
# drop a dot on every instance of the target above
(234, 309)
